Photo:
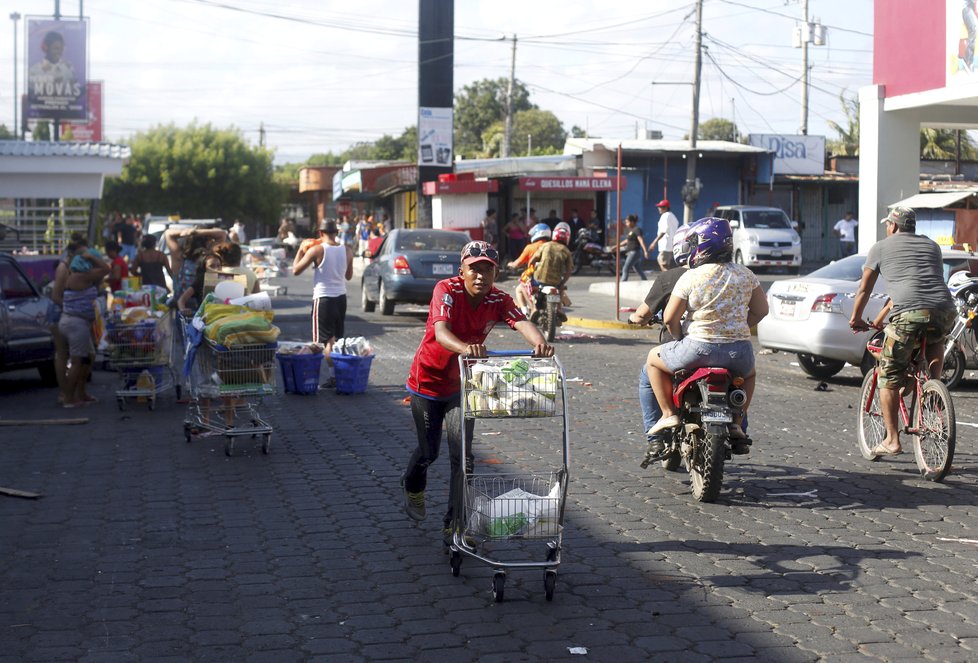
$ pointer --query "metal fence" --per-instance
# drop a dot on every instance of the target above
(42, 227)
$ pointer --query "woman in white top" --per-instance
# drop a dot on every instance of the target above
(724, 301)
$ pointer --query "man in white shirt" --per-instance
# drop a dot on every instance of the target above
(845, 230)
(668, 223)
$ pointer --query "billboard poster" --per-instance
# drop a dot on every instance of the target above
(794, 154)
(57, 56)
(962, 29)
(91, 130)
(434, 136)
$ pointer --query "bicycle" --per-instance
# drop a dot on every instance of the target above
(929, 419)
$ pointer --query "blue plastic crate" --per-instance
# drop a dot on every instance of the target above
(300, 373)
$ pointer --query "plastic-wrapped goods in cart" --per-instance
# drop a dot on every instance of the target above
(516, 512)
(356, 346)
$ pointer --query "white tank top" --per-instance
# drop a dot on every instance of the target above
(330, 274)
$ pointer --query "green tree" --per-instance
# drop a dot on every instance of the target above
(480, 104)
(42, 130)
(6, 134)
(577, 132)
(198, 171)
(547, 132)
(943, 144)
(717, 128)
(848, 143)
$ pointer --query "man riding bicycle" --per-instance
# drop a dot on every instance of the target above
(922, 307)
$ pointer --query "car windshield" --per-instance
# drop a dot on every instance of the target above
(430, 240)
(847, 269)
(766, 219)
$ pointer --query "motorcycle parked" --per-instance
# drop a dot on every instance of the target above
(591, 254)
(707, 400)
(549, 316)
(961, 346)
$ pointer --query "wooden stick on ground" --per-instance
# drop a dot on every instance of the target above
(13, 492)
(43, 422)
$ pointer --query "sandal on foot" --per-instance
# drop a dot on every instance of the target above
(664, 424)
(880, 450)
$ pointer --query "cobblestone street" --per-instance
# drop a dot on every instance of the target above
(147, 548)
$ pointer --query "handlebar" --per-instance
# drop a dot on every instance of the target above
(509, 353)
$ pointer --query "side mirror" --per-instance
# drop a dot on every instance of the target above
(794, 224)
(734, 224)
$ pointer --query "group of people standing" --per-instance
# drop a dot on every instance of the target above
(515, 233)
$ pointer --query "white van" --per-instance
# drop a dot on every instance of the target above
(763, 237)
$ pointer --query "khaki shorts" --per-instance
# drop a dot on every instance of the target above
(903, 334)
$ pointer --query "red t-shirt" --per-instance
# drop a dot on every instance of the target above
(123, 273)
(434, 372)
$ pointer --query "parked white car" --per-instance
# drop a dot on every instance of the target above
(763, 236)
(810, 315)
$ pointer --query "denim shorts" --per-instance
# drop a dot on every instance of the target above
(737, 357)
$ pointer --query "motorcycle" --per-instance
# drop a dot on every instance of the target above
(589, 253)
(707, 399)
(961, 345)
(549, 315)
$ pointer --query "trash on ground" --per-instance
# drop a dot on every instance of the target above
(822, 386)
(495, 432)
(574, 380)
(577, 650)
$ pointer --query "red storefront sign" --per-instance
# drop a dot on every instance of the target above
(570, 183)
(343, 207)
(460, 186)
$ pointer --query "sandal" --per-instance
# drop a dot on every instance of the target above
(880, 450)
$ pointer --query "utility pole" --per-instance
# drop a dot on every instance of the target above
(691, 189)
(261, 134)
(507, 138)
(14, 16)
(805, 34)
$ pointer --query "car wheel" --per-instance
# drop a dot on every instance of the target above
(819, 367)
(365, 304)
(867, 364)
(386, 305)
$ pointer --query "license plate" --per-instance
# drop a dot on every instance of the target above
(716, 417)
(775, 254)
(442, 268)
(553, 298)
(787, 309)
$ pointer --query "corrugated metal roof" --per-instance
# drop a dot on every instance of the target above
(580, 145)
(513, 166)
(934, 200)
(36, 148)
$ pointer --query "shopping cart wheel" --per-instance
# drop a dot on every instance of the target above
(229, 446)
(549, 582)
(456, 562)
(266, 443)
(498, 583)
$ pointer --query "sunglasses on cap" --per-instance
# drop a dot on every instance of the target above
(479, 251)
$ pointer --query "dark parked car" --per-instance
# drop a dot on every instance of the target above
(408, 265)
(26, 317)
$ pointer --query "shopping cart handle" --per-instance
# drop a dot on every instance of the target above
(509, 353)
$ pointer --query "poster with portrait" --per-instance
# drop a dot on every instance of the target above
(57, 57)
(962, 31)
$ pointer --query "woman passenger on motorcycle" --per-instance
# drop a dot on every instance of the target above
(724, 301)
(539, 235)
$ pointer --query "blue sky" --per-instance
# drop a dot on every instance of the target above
(322, 75)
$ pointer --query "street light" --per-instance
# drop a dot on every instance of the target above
(14, 16)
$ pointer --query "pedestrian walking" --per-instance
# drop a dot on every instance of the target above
(461, 315)
(332, 263)
(668, 223)
(633, 244)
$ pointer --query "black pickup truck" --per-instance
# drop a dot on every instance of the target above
(26, 318)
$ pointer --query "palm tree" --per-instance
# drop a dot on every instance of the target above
(943, 144)
(848, 143)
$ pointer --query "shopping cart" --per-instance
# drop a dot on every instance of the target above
(140, 352)
(227, 385)
(516, 503)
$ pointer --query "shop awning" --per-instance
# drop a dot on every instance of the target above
(938, 200)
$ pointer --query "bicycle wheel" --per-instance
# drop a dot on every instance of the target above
(870, 427)
(933, 443)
